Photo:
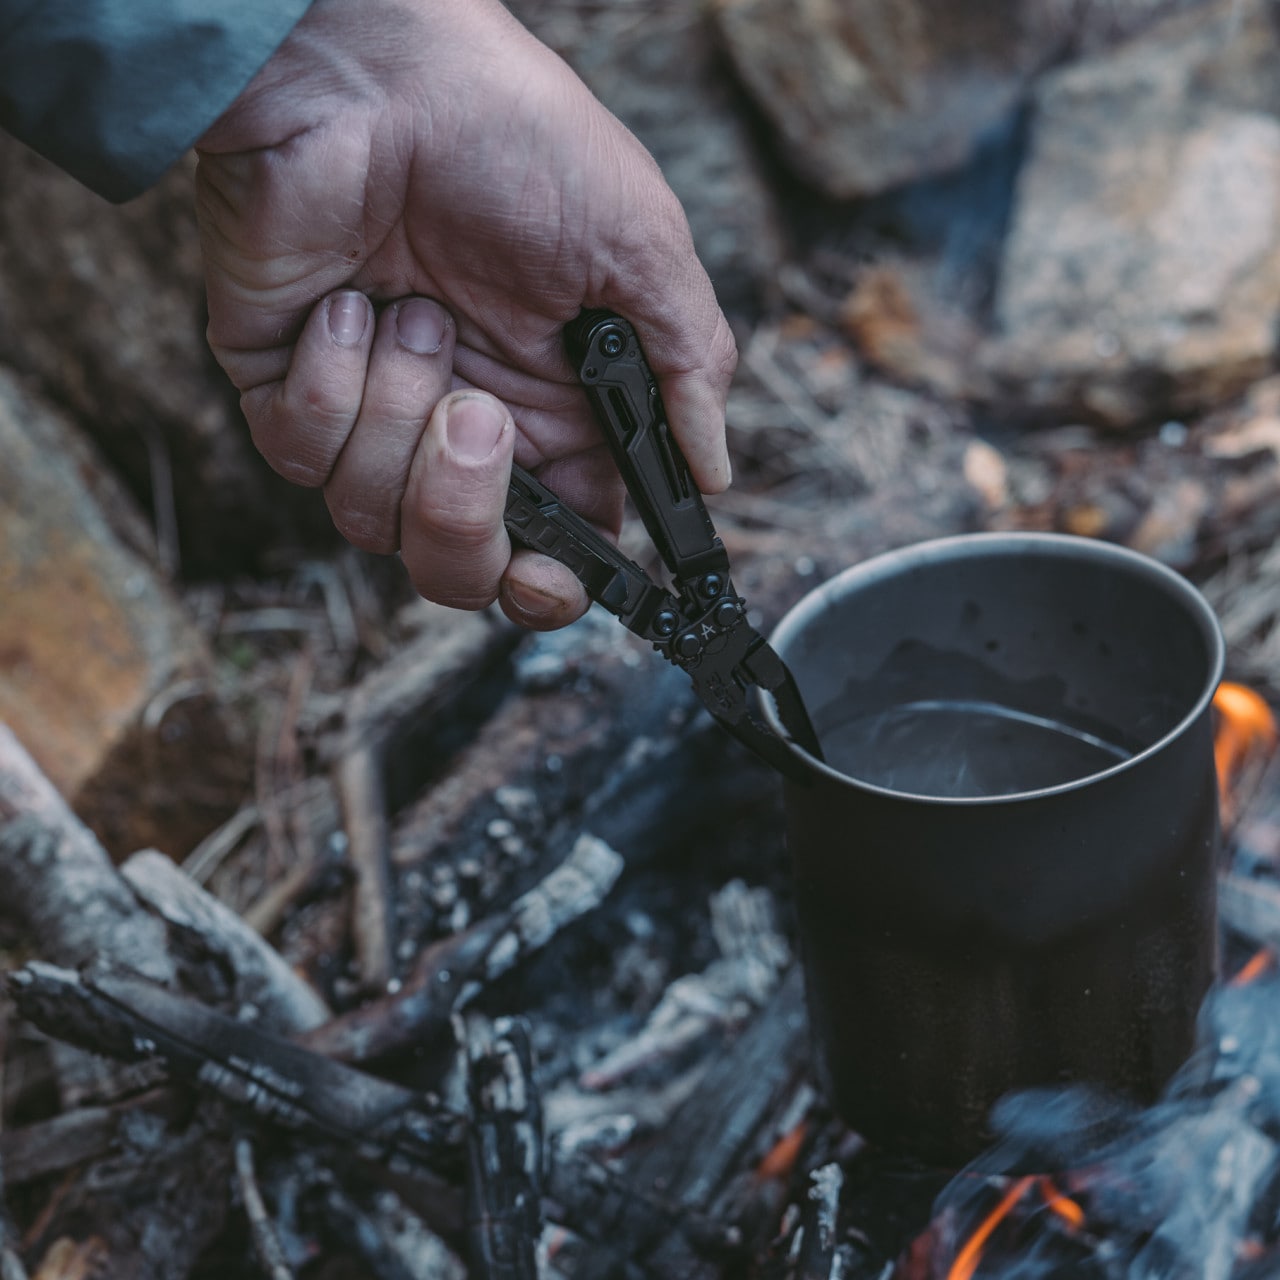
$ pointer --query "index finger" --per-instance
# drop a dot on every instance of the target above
(661, 287)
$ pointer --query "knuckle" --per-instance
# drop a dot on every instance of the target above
(451, 594)
(365, 530)
(327, 409)
(296, 467)
(297, 471)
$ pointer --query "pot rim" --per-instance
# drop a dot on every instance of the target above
(975, 545)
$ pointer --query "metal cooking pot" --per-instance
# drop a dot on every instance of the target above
(959, 945)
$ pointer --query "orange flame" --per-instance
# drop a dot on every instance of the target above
(1246, 729)
(1061, 1204)
(1259, 963)
(780, 1159)
(967, 1259)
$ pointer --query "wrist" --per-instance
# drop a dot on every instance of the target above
(347, 56)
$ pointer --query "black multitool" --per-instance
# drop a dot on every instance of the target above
(699, 622)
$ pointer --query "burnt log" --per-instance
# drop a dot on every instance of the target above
(504, 1151)
(449, 975)
(669, 1208)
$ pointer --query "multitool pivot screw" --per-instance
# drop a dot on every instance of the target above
(665, 623)
(688, 646)
(726, 613)
(612, 343)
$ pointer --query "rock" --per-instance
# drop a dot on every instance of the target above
(1141, 275)
(870, 94)
(666, 79)
(104, 305)
(102, 678)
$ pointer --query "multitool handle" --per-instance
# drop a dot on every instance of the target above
(623, 392)
(700, 624)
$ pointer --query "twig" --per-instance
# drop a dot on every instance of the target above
(263, 915)
(362, 793)
(201, 863)
(337, 606)
(163, 507)
(266, 1243)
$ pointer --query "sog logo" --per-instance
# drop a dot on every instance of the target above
(718, 693)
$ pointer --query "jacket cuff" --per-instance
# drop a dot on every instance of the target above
(115, 91)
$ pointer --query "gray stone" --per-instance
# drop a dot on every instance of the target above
(104, 306)
(1141, 275)
(869, 94)
(102, 677)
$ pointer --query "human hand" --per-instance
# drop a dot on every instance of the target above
(398, 217)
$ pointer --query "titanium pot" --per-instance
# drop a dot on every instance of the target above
(964, 939)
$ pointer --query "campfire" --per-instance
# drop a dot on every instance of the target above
(349, 936)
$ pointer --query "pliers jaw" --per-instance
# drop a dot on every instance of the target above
(700, 623)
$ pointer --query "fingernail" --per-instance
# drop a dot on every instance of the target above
(348, 315)
(473, 425)
(532, 602)
(420, 325)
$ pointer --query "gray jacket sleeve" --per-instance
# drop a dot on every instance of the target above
(114, 91)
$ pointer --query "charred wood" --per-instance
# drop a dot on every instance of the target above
(504, 1151)
(819, 1252)
(130, 1018)
(414, 688)
(669, 1207)
(1250, 907)
(754, 955)
(77, 1137)
(60, 885)
(222, 958)
(154, 1204)
(451, 974)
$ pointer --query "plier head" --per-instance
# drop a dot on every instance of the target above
(699, 622)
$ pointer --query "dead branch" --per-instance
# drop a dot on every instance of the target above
(77, 1137)
(135, 1020)
(210, 933)
(266, 1242)
(59, 882)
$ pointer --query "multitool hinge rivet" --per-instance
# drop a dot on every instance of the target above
(688, 645)
(665, 622)
(726, 613)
